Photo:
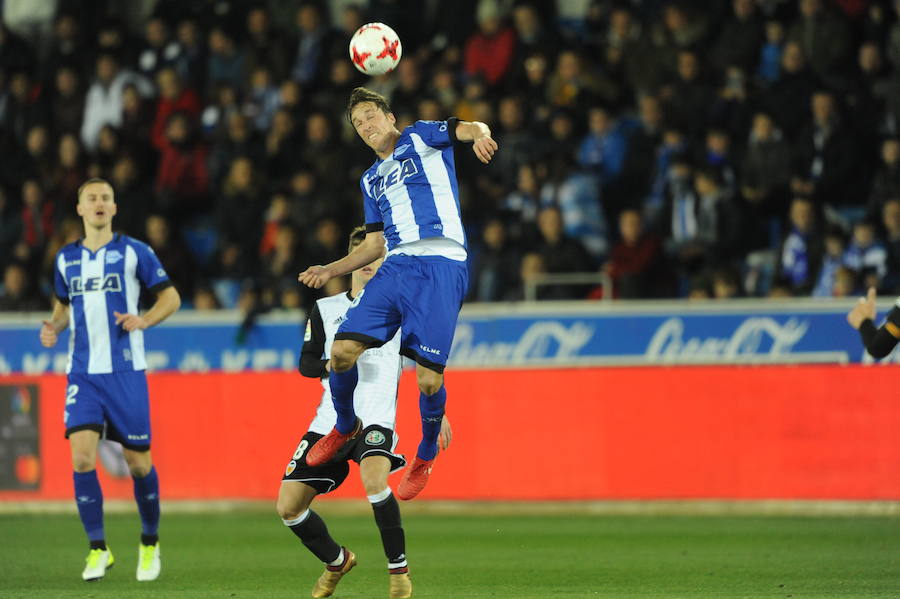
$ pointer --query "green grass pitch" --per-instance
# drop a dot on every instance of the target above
(244, 555)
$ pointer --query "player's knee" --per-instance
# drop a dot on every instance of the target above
(343, 356)
(288, 508)
(429, 381)
(83, 461)
(139, 470)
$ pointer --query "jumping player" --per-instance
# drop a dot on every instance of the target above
(375, 400)
(411, 200)
(98, 280)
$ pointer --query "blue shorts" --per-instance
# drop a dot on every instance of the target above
(116, 405)
(422, 296)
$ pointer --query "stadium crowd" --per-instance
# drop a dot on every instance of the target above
(685, 149)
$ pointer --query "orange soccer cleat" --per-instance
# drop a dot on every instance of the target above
(415, 478)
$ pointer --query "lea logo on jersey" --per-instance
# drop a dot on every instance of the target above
(110, 282)
(398, 174)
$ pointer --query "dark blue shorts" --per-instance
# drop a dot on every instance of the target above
(116, 405)
(422, 296)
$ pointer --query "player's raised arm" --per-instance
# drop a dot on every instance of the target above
(484, 145)
(368, 251)
(50, 329)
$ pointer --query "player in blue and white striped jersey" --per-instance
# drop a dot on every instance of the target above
(98, 281)
(411, 202)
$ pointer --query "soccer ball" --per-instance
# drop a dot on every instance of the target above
(375, 49)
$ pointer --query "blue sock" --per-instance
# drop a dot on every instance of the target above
(89, 499)
(431, 407)
(146, 494)
(342, 386)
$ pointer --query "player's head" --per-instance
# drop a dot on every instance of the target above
(364, 274)
(371, 116)
(96, 203)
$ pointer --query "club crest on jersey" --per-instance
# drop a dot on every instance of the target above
(374, 438)
(109, 282)
(292, 465)
(398, 174)
(113, 256)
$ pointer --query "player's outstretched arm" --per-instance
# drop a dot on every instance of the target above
(50, 329)
(879, 342)
(484, 145)
(371, 249)
(167, 302)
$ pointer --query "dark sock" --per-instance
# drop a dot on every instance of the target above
(342, 386)
(431, 407)
(101, 544)
(89, 499)
(146, 494)
(387, 516)
(149, 540)
(314, 534)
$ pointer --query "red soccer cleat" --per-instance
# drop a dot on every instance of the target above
(328, 446)
(415, 478)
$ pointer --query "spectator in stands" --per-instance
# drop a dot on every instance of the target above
(495, 264)
(801, 252)
(846, 283)
(172, 253)
(825, 158)
(560, 252)
(21, 108)
(574, 85)
(281, 265)
(159, 49)
(604, 148)
(69, 173)
(173, 97)
(18, 294)
(489, 51)
(823, 38)
(103, 105)
(40, 155)
(66, 101)
(689, 90)
(262, 98)
(238, 140)
(740, 37)
(182, 181)
(37, 217)
(769, 68)
(240, 212)
(765, 173)
(10, 228)
(832, 262)
(865, 253)
(265, 44)
(314, 45)
(192, 62)
(225, 63)
(134, 197)
(635, 264)
(283, 145)
(890, 222)
(886, 183)
(205, 299)
(725, 283)
(531, 267)
(787, 100)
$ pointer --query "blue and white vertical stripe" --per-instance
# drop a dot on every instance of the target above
(97, 284)
(414, 192)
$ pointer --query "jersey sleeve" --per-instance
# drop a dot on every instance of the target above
(437, 134)
(374, 219)
(150, 270)
(312, 363)
(60, 286)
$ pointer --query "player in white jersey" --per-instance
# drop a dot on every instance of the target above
(411, 202)
(375, 401)
(98, 281)
(878, 341)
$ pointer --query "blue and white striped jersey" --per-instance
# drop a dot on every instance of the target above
(96, 284)
(413, 195)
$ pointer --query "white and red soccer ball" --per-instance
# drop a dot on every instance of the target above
(375, 49)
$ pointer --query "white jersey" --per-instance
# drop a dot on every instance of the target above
(375, 397)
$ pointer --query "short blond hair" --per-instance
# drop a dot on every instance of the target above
(91, 181)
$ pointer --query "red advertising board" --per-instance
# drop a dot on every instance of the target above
(804, 432)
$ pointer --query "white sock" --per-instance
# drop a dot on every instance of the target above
(379, 497)
(339, 560)
(296, 520)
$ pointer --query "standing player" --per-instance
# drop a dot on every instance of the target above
(878, 341)
(411, 200)
(98, 280)
(375, 400)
